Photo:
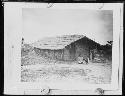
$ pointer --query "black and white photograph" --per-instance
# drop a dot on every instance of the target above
(66, 45)
(63, 46)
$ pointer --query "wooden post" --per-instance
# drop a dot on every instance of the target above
(54, 54)
(62, 54)
(88, 60)
(91, 55)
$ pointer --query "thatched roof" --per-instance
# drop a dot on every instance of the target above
(58, 42)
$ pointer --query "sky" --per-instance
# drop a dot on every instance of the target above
(39, 23)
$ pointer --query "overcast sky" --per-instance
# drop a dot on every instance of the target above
(40, 22)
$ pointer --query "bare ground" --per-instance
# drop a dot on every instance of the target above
(38, 69)
(91, 73)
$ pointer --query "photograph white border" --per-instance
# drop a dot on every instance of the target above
(12, 47)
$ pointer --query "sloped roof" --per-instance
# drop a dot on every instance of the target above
(58, 42)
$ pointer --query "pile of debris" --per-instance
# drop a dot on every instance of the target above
(99, 56)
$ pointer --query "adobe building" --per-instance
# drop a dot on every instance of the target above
(67, 47)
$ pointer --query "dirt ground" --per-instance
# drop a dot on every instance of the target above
(91, 73)
(39, 69)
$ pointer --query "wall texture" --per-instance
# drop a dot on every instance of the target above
(80, 48)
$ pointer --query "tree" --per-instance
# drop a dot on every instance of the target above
(110, 43)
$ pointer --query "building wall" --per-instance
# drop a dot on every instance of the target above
(66, 54)
(58, 54)
(80, 48)
(52, 54)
